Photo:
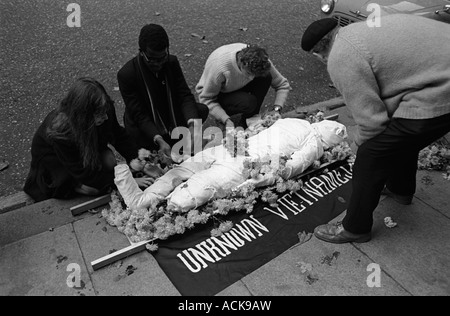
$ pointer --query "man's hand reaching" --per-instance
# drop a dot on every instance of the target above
(153, 171)
(229, 124)
(144, 182)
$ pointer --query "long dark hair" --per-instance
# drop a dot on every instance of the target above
(153, 36)
(75, 122)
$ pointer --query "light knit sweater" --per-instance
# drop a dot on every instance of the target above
(222, 74)
(401, 70)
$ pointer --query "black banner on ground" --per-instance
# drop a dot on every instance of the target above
(201, 265)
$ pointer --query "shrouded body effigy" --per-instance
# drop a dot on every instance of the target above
(215, 170)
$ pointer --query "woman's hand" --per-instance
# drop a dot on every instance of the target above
(144, 182)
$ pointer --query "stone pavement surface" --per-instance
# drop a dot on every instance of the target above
(41, 242)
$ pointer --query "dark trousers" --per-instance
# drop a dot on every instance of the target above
(389, 159)
(203, 111)
(51, 179)
(247, 100)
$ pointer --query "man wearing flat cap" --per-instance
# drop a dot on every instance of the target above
(395, 79)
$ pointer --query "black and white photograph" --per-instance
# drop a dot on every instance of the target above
(224, 154)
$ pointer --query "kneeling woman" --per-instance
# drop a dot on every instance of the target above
(70, 152)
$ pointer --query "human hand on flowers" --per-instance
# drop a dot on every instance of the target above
(164, 148)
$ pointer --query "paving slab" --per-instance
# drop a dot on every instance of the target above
(316, 268)
(345, 116)
(326, 105)
(14, 201)
(38, 266)
(136, 275)
(237, 289)
(337, 270)
(37, 218)
(434, 190)
(417, 252)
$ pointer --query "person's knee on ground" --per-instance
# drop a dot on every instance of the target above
(259, 87)
(203, 111)
(238, 102)
(109, 162)
(247, 105)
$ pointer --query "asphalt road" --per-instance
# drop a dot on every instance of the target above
(41, 56)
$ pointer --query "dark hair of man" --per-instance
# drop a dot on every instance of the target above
(256, 60)
(75, 120)
(153, 36)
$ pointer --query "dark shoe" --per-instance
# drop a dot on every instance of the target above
(401, 199)
(336, 234)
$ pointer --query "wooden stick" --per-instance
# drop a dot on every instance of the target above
(89, 205)
(293, 114)
(120, 254)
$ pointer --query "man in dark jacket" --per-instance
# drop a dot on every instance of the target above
(156, 95)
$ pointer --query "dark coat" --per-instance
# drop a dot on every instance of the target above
(56, 165)
(139, 120)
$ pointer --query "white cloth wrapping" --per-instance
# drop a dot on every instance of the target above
(214, 171)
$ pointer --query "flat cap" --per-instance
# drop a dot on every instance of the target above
(316, 31)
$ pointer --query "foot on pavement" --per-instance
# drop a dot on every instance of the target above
(3, 165)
